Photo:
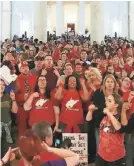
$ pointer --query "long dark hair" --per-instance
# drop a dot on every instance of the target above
(47, 91)
(78, 86)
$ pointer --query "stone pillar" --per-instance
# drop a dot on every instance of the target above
(5, 20)
(59, 18)
(81, 17)
(131, 20)
(97, 21)
(40, 20)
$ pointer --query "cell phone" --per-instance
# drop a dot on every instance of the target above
(57, 139)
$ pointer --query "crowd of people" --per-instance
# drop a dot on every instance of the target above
(72, 86)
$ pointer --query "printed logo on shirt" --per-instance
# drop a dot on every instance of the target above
(107, 127)
(40, 103)
(70, 104)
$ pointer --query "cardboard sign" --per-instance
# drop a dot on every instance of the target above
(79, 145)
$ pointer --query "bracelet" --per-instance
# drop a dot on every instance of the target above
(2, 162)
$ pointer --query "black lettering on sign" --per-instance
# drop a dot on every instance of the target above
(81, 144)
(74, 144)
(81, 138)
(72, 137)
(77, 151)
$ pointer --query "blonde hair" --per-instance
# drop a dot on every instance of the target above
(96, 72)
(115, 90)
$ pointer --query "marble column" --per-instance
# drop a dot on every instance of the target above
(81, 18)
(97, 21)
(59, 18)
(40, 20)
(5, 20)
(131, 20)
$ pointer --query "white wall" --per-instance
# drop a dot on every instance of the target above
(116, 18)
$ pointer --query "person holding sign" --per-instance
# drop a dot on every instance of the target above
(111, 143)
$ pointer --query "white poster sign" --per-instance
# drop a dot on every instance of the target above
(79, 145)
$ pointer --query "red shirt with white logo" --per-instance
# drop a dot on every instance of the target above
(42, 110)
(111, 146)
(71, 110)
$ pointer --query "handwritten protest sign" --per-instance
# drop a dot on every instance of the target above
(79, 145)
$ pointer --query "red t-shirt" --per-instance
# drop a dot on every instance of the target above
(125, 98)
(54, 101)
(56, 55)
(41, 112)
(117, 69)
(22, 86)
(44, 157)
(102, 69)
(128, 69)
(73, 54)
(71, 110)
(125, 95)
(111, 146)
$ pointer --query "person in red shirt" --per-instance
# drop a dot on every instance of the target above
(25, 84)
(39, 104)
(64, 58)
(56, 53)
(71, 104)
(111, 144)
(129, 65)
(74, 52)
(125, 88)
(59, 66)
(68, 70)
(117, 66)
(107, 56)
(100, 65)
(119, 52)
